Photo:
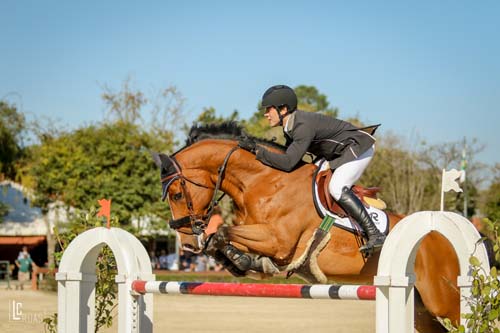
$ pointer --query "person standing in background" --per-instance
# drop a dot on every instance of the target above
(24, 264)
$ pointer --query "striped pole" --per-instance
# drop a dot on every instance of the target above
(318, 291)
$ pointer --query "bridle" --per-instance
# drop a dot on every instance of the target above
(198, 222)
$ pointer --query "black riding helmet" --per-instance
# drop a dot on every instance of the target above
(278, 96)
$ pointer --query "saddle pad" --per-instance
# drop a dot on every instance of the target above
(378, 216)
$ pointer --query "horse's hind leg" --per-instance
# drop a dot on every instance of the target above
(424, 321)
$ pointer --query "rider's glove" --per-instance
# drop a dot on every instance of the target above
(248, 144)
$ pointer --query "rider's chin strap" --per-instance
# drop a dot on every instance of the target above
(281, 116)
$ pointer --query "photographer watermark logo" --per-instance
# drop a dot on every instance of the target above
(16, 313)
(15, 310)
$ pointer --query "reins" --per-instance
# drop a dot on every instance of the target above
(198, 222)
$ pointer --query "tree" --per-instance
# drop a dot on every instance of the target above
(490, 198)
(309, 99)
(12, 125)
(395, 169)
(410, 174)
(448, 155)
(161, 114)
(208, 116)
(109, 159)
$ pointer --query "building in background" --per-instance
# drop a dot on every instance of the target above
(24, 225)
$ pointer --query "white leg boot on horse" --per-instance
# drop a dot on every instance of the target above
(355, 208)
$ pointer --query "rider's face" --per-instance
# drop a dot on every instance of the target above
(272, 116)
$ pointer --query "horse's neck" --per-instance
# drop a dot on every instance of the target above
(244, 176)
(242, 170)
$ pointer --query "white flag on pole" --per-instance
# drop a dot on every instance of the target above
(450, 180)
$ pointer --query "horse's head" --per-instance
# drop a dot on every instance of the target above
(190, 194)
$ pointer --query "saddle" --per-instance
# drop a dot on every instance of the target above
(367, 195)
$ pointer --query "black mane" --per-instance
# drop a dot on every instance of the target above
(225, 131)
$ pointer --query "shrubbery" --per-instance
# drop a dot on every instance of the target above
(485, 294)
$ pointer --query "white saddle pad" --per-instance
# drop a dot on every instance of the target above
(379, 217)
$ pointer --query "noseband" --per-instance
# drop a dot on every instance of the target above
(198, 222)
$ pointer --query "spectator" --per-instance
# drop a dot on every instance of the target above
(201, 263)
(212, 265)
(24, 264)
(23, 252)
(163, 260)
(155, 263)
(187, 260)
(173, 262)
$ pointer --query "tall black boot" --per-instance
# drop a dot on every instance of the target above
(354, 207)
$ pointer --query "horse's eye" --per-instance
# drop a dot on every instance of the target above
(177, 196)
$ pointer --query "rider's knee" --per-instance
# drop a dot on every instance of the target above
(335, 190)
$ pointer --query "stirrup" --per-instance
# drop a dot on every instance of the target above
(372, 246)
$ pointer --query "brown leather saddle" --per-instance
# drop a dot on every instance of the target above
(322, 181)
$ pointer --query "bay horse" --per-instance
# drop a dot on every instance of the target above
(275, 217)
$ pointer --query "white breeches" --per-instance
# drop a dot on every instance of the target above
(347, 174)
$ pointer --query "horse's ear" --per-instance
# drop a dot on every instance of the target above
(156, 158)
(161, 160)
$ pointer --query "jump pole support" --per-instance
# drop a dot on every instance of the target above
(394, 281)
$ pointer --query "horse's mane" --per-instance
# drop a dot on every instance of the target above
(225, 131)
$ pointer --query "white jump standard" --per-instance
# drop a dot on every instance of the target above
(136, 284)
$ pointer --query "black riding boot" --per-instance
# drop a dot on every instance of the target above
(354, 207)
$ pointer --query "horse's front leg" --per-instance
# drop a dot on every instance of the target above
(248, 247)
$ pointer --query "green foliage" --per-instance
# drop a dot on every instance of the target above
(410, 174)
(484, 301)
(106, 289)
(309, 99)
(106, 161)
(405, 184)
(50, 323)
(109, 159)
(4, 209)
(12, 124)
(208, 116)
(490, 198)
(159, 114)
(448, 155)
(106, 269)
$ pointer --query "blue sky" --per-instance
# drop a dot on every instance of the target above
(427, 69)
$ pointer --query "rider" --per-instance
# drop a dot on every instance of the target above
(348, 150)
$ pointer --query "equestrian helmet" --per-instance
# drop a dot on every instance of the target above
(280, 95)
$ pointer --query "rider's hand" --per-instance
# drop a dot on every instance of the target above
(248, 144)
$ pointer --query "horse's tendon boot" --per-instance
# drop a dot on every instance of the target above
(227, 264)
(241, 260)
(307, 267)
